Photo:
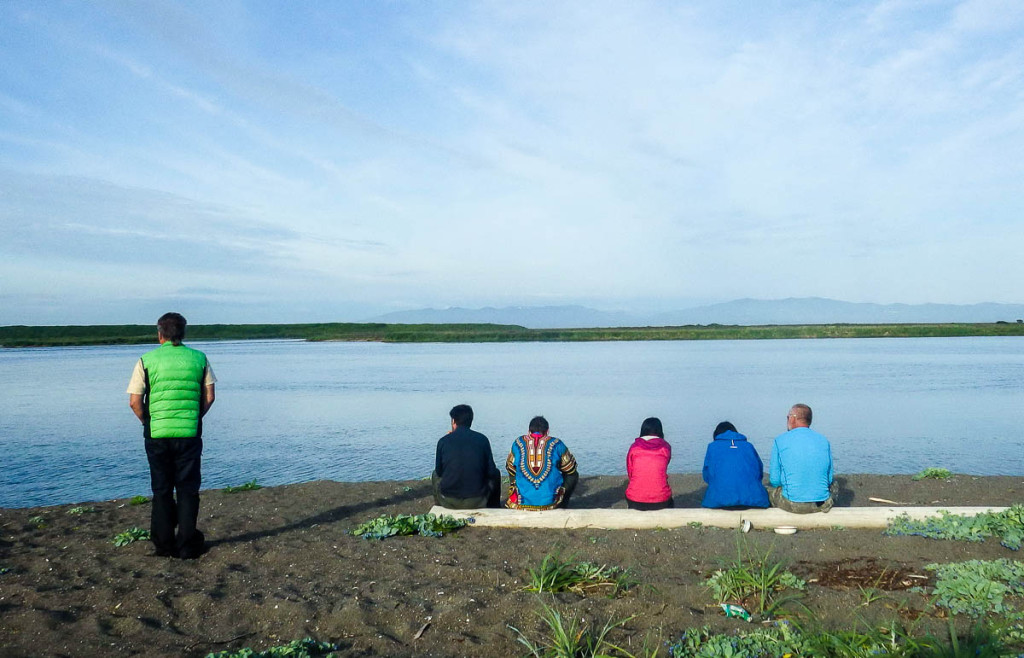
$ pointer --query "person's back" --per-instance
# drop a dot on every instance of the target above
(541, 470)
(801, 473)
(647, 469)
(802, 465)
(465, 476)
(733, 471)
(464, 463)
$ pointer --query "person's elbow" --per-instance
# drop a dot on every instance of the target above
(209, 396)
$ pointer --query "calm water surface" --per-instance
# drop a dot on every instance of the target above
(289, 411)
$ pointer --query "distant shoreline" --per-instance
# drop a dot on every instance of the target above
(90, 335)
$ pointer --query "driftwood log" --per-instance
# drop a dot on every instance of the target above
(611, 519)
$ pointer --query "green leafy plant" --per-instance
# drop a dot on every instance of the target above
(248, 486)
(570, 637)
(37, 522)
(130, 535)
(1008, 525)
(564, 575)
(428, 525)
(307, 648)
(932, 473)
(78, 511)
(755, 582)
(977, 587)
(787, 639)
(138, 500)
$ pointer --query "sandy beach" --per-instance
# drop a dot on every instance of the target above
(282, 565)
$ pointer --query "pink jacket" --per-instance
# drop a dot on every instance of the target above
(647, 466)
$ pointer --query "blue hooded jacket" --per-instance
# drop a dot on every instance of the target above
(733, 471)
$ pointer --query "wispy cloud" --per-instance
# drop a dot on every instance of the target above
(498, 153)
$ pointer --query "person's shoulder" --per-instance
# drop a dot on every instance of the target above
(192, 349)
(814, 434)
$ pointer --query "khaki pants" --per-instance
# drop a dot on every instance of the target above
(783, 503)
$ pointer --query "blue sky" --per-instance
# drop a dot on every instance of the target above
(317, 161)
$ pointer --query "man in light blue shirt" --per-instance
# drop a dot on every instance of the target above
(801, 466)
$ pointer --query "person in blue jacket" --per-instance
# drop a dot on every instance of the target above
(733, 471)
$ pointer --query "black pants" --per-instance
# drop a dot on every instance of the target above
(650, 507)
(174, 465)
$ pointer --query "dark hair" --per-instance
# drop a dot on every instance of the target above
(539, 425)
(802, 412)
(462, 414)
(724, 426)
(172, 327)
(652, 427)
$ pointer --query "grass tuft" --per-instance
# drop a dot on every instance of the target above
(557, 575)
(755, 582)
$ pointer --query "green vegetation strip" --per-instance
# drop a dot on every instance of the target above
(307, 648)
(24, 336)
(248, 486)
(789, 640)
(428, 525)
(1008, 525)
(932, 473)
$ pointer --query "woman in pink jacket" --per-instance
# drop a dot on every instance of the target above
(647, 468)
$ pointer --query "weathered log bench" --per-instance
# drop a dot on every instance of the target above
(847, 517)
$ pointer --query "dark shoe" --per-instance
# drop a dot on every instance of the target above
(195, 548)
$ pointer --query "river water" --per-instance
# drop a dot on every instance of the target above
(291, 411)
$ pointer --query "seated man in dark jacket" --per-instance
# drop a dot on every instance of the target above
(465, 476)
(733, 471)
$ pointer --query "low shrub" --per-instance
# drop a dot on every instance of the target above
(130, 536)
(307, 648)
(248, 486)
(428, 525)
(932, 473)
(1008, 525)
(977, 587)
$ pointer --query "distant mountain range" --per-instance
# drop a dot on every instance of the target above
(805, 310)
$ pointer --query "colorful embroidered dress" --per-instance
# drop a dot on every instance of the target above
(536, 465)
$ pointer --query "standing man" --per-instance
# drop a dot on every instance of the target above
(465, 476)
(171, 389)
(801, 468)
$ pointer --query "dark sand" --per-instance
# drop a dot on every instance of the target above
(282, 566)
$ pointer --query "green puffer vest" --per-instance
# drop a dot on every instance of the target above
(174, 382)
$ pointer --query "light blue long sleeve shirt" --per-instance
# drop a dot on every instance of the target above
(802, 465)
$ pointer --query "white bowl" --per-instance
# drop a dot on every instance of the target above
(785, 530)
